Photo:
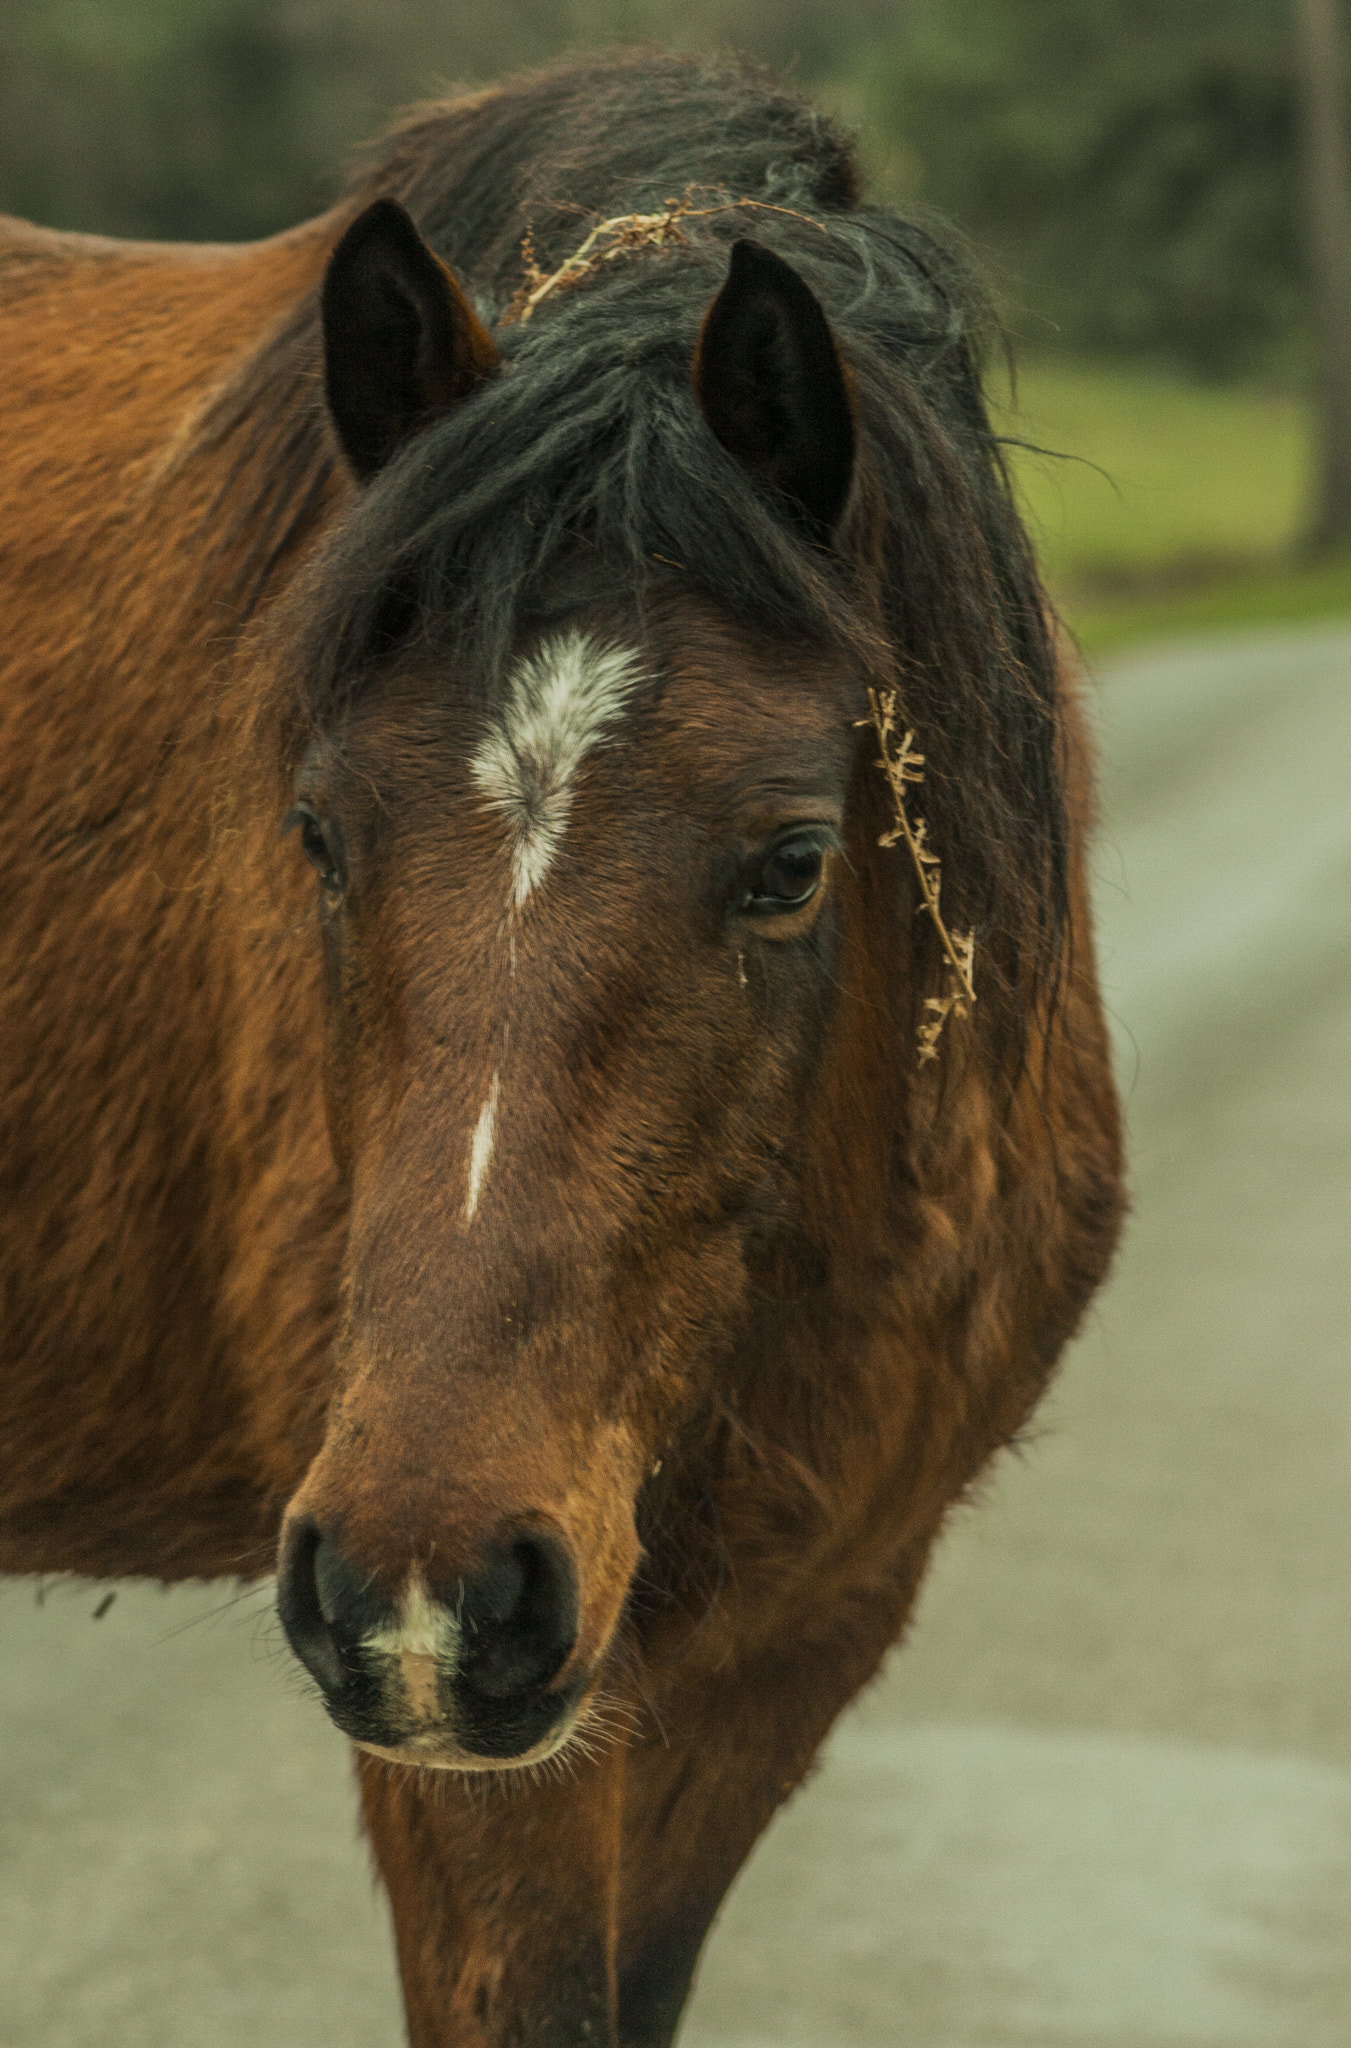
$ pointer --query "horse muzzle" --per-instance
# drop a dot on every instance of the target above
(462, 1673)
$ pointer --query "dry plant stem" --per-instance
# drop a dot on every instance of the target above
(901, 765)
(626, 231)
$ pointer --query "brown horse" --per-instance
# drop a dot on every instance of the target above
(538, 1218)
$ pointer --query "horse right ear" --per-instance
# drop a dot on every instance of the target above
(402, 344)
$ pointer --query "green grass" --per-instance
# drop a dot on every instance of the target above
(1290, 595)
(1195, 524)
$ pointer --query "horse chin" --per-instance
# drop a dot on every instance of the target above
(437, 1749)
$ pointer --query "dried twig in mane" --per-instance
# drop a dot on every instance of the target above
(901, 765)
(619, 236)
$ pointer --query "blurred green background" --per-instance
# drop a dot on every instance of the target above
(1127, 171)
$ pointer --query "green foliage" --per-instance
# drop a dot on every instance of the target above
(1293, 593)
(1182, 510)
(223, 118)
(1131, 162)
(155, 118)
(1173, 482)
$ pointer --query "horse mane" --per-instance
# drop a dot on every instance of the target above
(589, 447)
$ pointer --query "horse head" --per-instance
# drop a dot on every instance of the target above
(584, 913)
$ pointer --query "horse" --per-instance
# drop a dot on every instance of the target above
(500, 1125)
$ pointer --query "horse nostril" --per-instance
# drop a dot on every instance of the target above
(300, 1608)
(518, 1616)
(325, 1606)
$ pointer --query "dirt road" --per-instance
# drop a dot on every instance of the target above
(1103, 1800)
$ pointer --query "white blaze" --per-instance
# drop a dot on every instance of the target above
(560, 701)
(481, 1149)
(423, 1642)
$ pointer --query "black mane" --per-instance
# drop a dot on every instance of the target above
(590, 443)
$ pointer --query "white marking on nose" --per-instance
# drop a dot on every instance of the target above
(561, 699)
(424, 1641)
(481, 1149)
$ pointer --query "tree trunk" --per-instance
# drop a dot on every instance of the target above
(1327, 213)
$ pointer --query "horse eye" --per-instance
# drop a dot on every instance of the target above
(789, 876)
(315, 845)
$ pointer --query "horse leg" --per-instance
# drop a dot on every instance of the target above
(503, 1893)
(697, 1825)
(701, 1791)
(655, 1982)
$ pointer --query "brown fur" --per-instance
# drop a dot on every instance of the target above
(184, 1262)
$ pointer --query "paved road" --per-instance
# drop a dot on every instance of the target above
(1104, 1798)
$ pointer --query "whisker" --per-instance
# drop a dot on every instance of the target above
(213, 1613)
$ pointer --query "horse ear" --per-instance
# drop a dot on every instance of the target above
(771, 386)
(402, 343)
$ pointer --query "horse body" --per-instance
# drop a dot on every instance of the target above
(563, 1248)
(128, 1019)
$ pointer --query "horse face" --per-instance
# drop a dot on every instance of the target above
(582, 950)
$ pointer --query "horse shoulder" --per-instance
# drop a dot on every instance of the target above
(139, 1290)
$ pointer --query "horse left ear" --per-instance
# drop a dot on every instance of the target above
(770, 383)
(402, 343)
